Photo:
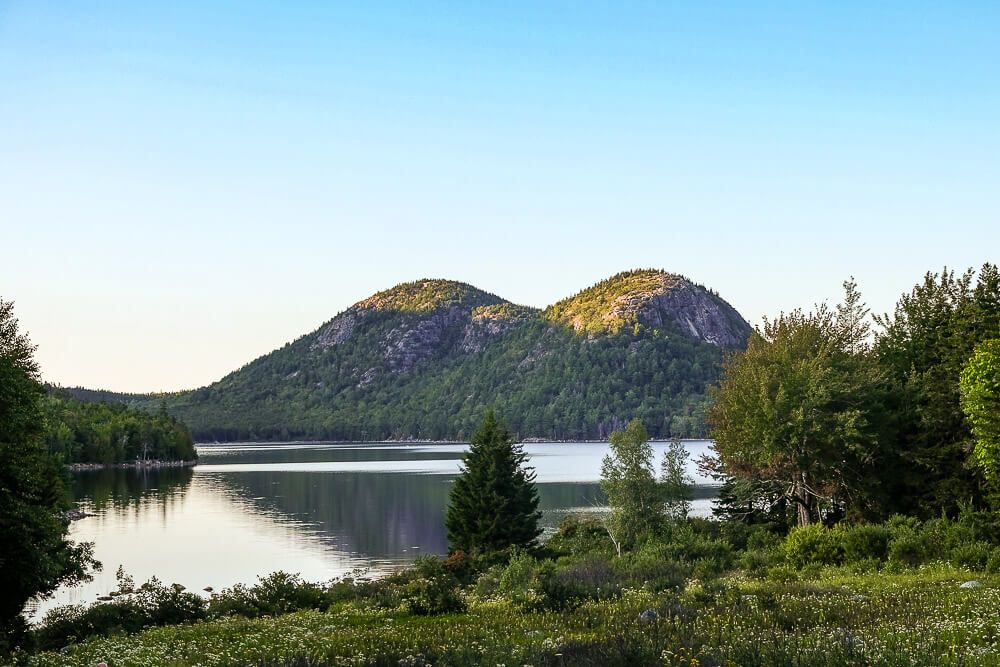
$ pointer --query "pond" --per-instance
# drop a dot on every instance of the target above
(318, 509)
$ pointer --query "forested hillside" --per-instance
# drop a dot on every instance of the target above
(425, 360)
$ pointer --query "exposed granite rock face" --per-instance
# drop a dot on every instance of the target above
(425, 357)
(427, 319)
(695, 311)
(368, 377)
(407, 345)
(653, 299)
(337, 331)
(490, 322)
(431, 318)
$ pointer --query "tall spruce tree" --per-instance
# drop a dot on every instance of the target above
(493, 503)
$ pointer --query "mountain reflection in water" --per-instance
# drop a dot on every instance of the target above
(321, 510)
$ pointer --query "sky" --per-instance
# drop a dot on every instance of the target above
(185, 186)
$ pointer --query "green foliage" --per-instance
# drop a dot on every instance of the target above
(473, 350)
(598, 309)
(576, 537)
(84, 432)
(864, 542)
(277, 593)
(917, 618)
(493, 504)
(923, 348)
(434, 589)
(628, 481)
(795, 412)
(813, 543)
(520, 581)
(709, 554)
(156, 604)
(810, 420)
(980, 387)
(899, 543)
(675, 485)
(590, 578)
(680, 573)
(421, 296)
(654, 568)
(35, 556)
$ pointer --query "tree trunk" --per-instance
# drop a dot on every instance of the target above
(801, 496)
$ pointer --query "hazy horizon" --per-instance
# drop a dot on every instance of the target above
(185, 187)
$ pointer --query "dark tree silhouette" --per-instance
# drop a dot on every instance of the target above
(494, 502)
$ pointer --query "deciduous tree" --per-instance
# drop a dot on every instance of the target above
(980, 385)
(795, 410)
(675, 484)
(628, 480)
(35, 556)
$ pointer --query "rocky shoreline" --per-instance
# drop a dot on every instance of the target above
(137, 465)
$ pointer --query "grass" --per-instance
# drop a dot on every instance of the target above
(917, 617)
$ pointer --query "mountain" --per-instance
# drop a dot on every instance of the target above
(425, 359)
(652, 299)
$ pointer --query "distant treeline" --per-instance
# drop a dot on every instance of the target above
(107, 433)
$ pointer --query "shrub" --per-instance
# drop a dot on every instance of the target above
(993, 562)
(811, 544)
(941, 536)
(974, 555)
(984, 526)
(650, 567)
(908, 548)
(864, 542)
(434, 590)
(578, 537)
(170, 605)
(275, 594)
(519, 580)
(488, 582)
(688, 545)
(152, 604)
(782, 574)
(756, 562)
(591, 578)
(461, 565)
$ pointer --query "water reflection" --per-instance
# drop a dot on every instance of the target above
(320, 510)
(99, 490)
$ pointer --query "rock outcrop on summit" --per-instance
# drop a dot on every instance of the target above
(653, 299)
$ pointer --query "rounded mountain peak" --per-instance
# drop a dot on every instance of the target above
(427, 295)
(653, 298)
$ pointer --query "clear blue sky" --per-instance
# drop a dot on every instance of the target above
(187, 185)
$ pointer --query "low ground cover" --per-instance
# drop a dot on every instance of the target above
(701, 594)
(920, 617)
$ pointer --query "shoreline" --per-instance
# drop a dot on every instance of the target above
(136, 465)
(526, 441)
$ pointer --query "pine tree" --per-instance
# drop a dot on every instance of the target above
(493, 503)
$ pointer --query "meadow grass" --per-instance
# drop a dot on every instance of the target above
(835, 617)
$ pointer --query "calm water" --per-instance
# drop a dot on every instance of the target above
(321, 510)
